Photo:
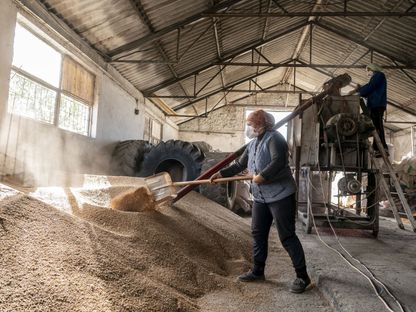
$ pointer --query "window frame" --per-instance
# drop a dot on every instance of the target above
(59, 91)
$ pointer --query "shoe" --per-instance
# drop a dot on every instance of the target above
(251, 277)
(299, 285)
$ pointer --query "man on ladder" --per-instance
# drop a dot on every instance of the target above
(375, 93)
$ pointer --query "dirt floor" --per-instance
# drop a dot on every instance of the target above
(84, 256)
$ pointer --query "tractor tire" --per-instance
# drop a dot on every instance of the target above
(182, 160)
(128, 156)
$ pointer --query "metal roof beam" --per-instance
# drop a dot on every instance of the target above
(308, 14)
(157, 34)
(230, 85)
(398, 67)
(246, 96)
(236, 91)
(218, 48)
(138, 7)
(302, 41)
(231, 54)
(344, 33)
(270, 91)
(280, 6)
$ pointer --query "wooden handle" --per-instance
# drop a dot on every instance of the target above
(207, 181)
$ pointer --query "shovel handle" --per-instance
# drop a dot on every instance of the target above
(207, 181)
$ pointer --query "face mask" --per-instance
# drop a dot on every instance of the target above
(369, 73)
(252, 133)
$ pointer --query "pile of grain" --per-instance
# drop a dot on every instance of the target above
(87, 257)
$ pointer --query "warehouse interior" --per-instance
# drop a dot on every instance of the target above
(99, 97)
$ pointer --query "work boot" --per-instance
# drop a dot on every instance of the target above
(299, 285)
(251, 277)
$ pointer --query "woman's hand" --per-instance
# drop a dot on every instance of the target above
(258, 179)
(216, 175)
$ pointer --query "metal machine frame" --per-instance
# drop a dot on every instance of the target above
(327, 138)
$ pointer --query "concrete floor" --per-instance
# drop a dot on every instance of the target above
(391, 257)
(269, 296)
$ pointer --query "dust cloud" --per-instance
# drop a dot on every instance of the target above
(38, 154)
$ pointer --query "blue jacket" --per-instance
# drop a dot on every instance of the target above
(375, 91)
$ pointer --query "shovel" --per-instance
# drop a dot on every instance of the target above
(163, 188)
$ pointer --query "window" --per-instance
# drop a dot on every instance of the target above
(147, 128)
(156, 132)
(73, 115)
(49, 86)
(31, 99)
(152, 130)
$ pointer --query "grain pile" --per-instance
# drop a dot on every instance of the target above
(84, 256)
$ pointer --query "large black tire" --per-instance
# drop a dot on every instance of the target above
(127, 157)
(182, 160)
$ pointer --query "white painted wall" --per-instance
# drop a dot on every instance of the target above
(116, 119)
(223, 129)
(45, 150)
(220, 142)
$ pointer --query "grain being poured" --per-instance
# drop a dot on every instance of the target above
(135, 200)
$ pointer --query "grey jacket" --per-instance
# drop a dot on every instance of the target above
(268, 156)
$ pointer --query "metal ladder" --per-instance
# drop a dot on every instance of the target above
(396, 184)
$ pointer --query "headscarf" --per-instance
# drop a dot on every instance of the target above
(269, 121)
(374, 67)
(261, 119)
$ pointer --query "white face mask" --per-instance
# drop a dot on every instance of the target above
(252, 133)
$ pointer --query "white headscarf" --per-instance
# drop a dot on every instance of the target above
(374, 67)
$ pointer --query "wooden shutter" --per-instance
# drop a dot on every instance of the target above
(77, 81)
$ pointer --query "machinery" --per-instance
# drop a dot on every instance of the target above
(328, 140)
(330, 155)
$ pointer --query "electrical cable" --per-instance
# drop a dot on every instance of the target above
(373, 284)
(355, 259)
(346, 218)
(346, 260)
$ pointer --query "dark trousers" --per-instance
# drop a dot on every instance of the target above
(284, 213)
(376, 115)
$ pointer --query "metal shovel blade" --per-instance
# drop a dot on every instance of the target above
(161, 186)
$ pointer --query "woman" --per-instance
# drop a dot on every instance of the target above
(273, 189)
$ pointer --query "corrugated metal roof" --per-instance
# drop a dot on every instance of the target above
(166, 12)
(106, 24)
(110, 24)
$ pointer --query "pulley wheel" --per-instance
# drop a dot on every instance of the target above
(342, 184)
(354, 186)
(346, 126)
